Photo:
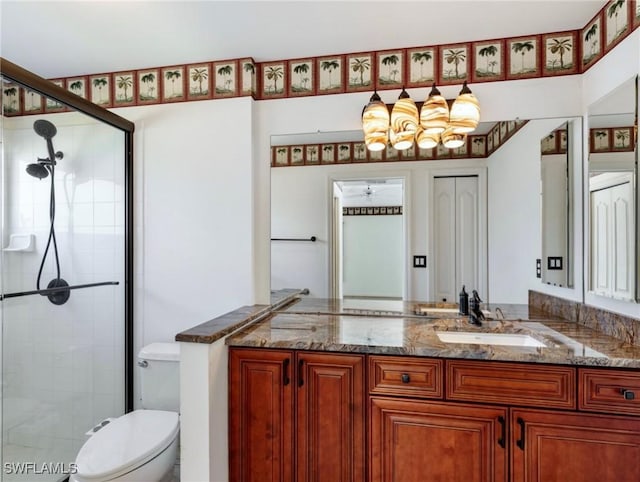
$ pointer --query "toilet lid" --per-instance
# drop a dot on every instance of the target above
(126, 443)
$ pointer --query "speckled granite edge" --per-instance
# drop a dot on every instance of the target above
(622, 327)
(223, 325)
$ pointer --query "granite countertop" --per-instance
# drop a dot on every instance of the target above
(322, 325)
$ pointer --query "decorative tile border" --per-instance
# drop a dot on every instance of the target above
(539, 55)
(611, 139)
(373, 211)
(355, 152)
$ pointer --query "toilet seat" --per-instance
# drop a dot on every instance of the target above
(126, 444)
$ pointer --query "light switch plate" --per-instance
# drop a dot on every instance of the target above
(419, 261)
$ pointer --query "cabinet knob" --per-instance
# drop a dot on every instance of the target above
(405, 378)
(628, 394)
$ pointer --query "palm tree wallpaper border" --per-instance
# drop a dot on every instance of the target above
(225, 78)
(523, 57)
(148, 86)
(124, 91)
(363, 71)
(592, 41)
(329, 74)
(199, 81)
(173, 83)
(422, 63)
(360, 70)
(78, 85)
(611, 139)
(273, 79)
(488, 61)
(390, 69)
(100, 89)
(617, 14)
(455, 64)
(32, 102)
(301, 77)
(560, 54)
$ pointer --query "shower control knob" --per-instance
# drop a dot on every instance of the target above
(143, 363)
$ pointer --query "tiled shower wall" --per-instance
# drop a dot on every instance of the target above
(63, 365)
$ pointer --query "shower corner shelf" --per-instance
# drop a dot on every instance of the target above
(21, 242)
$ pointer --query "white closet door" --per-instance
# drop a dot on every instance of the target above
(444, 225)
(600, 276)
(622, 233)
(466, 234)
(455, 237)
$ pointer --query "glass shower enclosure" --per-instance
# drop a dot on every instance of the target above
(66, 270)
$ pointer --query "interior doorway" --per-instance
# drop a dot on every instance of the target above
(368, 242)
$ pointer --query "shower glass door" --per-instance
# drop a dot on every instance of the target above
(63, 223)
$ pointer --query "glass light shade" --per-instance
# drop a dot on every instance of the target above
(434, 115)
(465, 112)
(427, 140)
(375, 124)
(404, 122)
(453, 140)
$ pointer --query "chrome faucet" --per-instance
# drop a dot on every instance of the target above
(499, 310)
(475, 313)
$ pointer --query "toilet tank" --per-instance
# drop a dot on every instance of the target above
(159, 368)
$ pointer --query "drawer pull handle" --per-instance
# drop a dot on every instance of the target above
(628, 394)
(520, 442)
(300, 372)
(285, 371)
(405, 378)
(503, 433)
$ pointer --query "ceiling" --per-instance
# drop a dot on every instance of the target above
(67, 38)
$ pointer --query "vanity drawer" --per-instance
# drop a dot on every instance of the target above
(405, 376)
(524, 384)
(610, 391)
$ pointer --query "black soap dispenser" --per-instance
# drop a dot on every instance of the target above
(464, 302)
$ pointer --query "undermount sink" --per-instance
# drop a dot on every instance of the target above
(510, 339)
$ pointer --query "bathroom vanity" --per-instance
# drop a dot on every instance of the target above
(383, 396)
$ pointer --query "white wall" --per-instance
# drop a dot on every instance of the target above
(194, 210)
(373, 256)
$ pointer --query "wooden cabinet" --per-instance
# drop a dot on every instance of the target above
(557, 446)
(260, 416)
(322, 395)
(300, 416)
(417, 441)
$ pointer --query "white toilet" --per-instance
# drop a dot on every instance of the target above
(142, 445)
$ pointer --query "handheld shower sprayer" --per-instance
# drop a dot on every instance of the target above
(44, 167)
(40, 170)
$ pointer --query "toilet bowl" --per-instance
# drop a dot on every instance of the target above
(140, 446)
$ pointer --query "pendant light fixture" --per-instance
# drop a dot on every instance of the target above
(434, 115)
(375, 123)
(439, 121)
(404, 122)
(465, 112)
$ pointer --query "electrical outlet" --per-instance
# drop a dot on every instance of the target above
(419, 261)
(538, 268)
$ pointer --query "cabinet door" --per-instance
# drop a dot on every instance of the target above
(331, 421)
(260, 416)
(419, 441)
(554, 446)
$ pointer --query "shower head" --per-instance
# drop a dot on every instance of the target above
(37, 170)
(44, 128)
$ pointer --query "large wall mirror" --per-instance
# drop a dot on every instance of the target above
(406, 202)
(612, 230)
(557, 153)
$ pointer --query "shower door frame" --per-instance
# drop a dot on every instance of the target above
(44, 87)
